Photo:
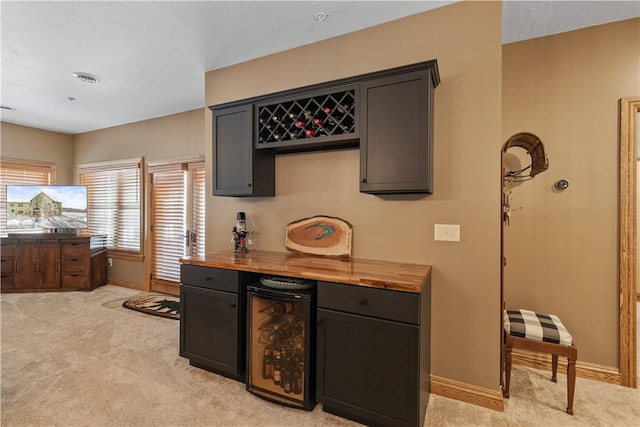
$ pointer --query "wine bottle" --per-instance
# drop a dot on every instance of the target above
(309, 132)
(277, 368)
(343, 108)
(298, 374)
(267, 364)
(300, 123)
(277, 309)
(287, 372)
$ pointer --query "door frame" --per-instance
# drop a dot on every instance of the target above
(156, 166)
(627, 253)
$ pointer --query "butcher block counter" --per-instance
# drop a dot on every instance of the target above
(368, 326)
(404, 277)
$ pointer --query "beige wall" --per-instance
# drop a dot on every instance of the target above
(561, 247)
(178, 135)
(23, 142)
(465, 39)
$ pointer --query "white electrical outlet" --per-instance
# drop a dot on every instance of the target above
(446, 232)
(110, 262)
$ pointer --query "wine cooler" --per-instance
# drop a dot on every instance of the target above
(281, 345)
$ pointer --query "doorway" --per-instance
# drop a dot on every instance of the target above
(628, 235)
(177, 216)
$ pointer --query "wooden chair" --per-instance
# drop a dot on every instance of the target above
(543, 333)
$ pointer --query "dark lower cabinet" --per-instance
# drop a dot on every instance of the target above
(368, 368)
(213, 319)
(209, 330)
(373, 354)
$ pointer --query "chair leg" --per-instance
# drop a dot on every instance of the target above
(571, 384)
(507, 370)
(554, 368)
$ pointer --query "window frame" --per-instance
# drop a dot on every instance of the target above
(118, 165)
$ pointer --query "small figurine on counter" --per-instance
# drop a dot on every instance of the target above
(240, 233)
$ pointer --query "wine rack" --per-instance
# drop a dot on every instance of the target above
(303, 120)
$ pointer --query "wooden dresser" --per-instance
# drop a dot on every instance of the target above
(373, 347)
(47, 262)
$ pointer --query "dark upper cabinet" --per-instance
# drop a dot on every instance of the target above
(388, 114)
(396, 137)
(238, 169)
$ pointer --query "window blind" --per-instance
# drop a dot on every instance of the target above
(168, 224)
(114, 202)
(25, 172)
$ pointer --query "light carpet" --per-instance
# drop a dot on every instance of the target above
(81, 359)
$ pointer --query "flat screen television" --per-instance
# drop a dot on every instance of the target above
(61, 208)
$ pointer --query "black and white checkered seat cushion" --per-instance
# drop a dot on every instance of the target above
(535, 326)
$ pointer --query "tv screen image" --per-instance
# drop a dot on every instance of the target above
(41, 207)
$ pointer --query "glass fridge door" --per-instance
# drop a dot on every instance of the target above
(277, 337)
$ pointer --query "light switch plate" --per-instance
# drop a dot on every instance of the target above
(446, 232)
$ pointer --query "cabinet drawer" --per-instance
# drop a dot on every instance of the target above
(380, 303)
(210, 278)
(73, 249)
(74, 280)
(6, 264)
(75, 263)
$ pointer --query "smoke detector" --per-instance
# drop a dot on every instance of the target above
(320, 16)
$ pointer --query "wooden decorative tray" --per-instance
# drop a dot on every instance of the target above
(319, 235)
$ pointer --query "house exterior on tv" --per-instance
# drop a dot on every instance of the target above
(40, 206)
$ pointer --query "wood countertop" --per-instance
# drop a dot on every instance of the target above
(396, 276)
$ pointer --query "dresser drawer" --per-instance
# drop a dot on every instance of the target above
(75, 280)
(380, 303)
(210, 278)
(73, 263)
(74, 249)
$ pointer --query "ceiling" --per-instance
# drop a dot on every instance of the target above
(151, 57)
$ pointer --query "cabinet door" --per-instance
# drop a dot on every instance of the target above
(7, 263)
(368, 368)
(49, 264)
(27, 274)
(238, 170)
(396, 134)
(209, 330)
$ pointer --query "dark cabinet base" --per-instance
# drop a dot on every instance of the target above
(368, 368)
(211, 336)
